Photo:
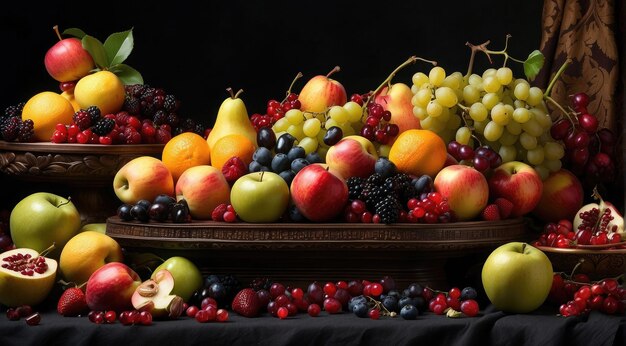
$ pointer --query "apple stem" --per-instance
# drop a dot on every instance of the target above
(56, 29)
(46, 251)
(261, 178)
(298, 76)
(334, 70)
(65, 284)
(69, 199)
(523, 247)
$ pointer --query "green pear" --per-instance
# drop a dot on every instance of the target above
(187, 276)
(232, 118)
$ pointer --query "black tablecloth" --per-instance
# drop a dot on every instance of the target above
(490, 328)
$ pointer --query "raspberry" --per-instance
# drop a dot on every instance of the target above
(82, 118)
(491, 213)
(505, 206)
(218, 213)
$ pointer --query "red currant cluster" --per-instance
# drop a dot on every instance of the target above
(455, 300)
(589, 149)
(119, 128)
(483, 158)
(275, 110)
(224, 212)
(24, 311)
(101, 317)
(377, 127)
(577, 295)
(207, 312)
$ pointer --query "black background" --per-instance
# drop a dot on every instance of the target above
(195, 51)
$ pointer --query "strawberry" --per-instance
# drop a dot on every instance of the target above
(72, 302)
(505, 206)
(491, 213)
(246, 303)
(233, 169)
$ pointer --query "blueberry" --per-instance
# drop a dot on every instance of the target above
(217, 291)
(298, 164)
(297, 152)
(210, 280)
(263, 156)
(468, 293)
(390, 303)
(360, 309)
(287, 176)
(295, 214)
(356, 299)
(144, 203)
(409, 312)
(423, 184)
(313, 157)
(254, 166)
(280, 162)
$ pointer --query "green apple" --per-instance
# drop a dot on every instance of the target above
(187, 276)
(517, 277)
(99, 227)
(260, 197)
(42, 219)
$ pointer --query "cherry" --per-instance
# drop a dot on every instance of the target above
(588, 122)
(314, 310)
(470, 307)
(282, 312)
(560, 129)
(580, 100)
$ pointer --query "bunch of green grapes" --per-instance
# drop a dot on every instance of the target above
(309, 128)
(495, 109)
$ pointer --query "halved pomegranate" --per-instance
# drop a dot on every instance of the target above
(26, 277)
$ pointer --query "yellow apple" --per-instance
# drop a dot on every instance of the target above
(143, 177)
(204, 187)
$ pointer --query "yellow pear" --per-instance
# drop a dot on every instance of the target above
(232, 118)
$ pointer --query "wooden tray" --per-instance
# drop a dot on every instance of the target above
(299, 253)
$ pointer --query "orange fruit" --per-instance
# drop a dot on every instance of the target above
(418, 152)
(46, 110)
(183, 151)
(230, 146)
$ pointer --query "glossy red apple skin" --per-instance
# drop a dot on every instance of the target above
(519, 183)
(465, 188)
(68, 61)
(111, 287)
(319, 193)
(352, 156)
(561, 198)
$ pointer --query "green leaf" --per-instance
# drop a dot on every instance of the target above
(96, 49)
(533, 64)
(118, 46)
(76, 32)
(127, 74)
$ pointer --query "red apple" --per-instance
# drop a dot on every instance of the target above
(67, 60)
(321, 92)
(562, 197)
(519, 183)
(319, 193)
(111, 287)
(397, 100)
(352, 156)
(465, 188)
(143, 177)
(204, 187)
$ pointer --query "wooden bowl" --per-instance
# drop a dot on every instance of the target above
(597, 264)
(84, 172)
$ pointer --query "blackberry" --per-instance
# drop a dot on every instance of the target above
(94, 114)
(103, 126)
(27, 131)
(375, 179)
(232, 286)
(159, 118)
(388, 209)
(135, 90)
(199, 129)
(132, 105)
(173, 119)
(355, 187)
(10, 128)
(14, 110)
(170, 104)
(188, 124)
(83, 119)
(372, 194)
(261, 283)
(147, 94)
(158, 101)
(147, 109)
(400, 186)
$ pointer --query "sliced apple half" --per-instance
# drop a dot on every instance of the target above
(154, 295)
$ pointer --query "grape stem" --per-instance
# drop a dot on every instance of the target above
(298, 76)
(483, 48)
(379, 305)
(557, 75)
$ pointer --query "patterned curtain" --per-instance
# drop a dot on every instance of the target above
(591, 34)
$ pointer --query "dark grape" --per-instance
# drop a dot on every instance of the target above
(123, 212)
(266, 137)
(140, 213)
(284, 143)
(333, 135)
(159, 212)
